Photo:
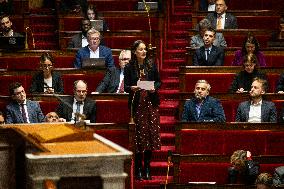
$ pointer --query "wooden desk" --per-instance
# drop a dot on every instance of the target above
(89, 156)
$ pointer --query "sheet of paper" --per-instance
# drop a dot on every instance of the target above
(147, 85)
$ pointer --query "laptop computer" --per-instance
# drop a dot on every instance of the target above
(97, 24)
(12, 42)
(93, 63)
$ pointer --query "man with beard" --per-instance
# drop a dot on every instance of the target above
(94, 49)
(257, 110)
(209, 55)
(6, 27)
(203, 108)
(80, 40)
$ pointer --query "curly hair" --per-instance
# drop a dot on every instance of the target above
(238, 159)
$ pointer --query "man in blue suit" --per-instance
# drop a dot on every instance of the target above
(94, 50)
(21, 110)
(203, 108)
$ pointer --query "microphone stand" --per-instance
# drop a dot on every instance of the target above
(168, 168)
(147, 8)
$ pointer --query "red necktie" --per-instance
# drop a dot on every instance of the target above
(24, 114)
(121, 88)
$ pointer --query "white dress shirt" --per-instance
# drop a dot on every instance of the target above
(255, 113)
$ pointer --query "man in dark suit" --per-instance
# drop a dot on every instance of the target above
(203, 108)
(21, 110)
(113, 81)
(220, 19)
(209, 55)
(78, 107)
(94, 50)
(80, 40)
(6, 27)
(257, 110)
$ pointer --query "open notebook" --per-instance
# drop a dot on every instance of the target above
(97, 24)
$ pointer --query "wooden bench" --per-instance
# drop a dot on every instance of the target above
(214, 168)
(273, 56)
(230, 102)
(220, 77)
(92, 77)
(248, 19)
(236, 37)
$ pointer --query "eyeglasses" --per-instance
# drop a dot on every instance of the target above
(95, 38)
(249, 65)
(81, 91)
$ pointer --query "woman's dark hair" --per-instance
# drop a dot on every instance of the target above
(93, 8)
(147, 62)
(46, 56)
(252, 40)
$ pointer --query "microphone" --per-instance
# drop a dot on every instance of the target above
(78, 115)
(33, 39)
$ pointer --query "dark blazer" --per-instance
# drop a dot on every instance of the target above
(65, 111)
(84, 52)
(14, 115)
(280, 83)
(244, 80)
(76, 41)
(37, 85)
(110, 82)
(131, 78)
(268, 112)
(211, 111)
(230, 20)
(215, 58)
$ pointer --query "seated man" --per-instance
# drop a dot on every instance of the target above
(53, 117)
(22, 110)
(203, 108)
(220, 19)
(197, 40)
(209, 55)
(257, 110)
(113, 81)
(6, 28)
(80, 40)
(78, 107)
(94, 50)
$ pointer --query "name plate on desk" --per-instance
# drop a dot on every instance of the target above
(151, 5)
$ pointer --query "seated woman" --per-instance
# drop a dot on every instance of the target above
(92, 14)
(250, 46)
(243, 169)
(47, 81)
(243, 80)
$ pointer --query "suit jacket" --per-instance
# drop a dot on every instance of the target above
(131, 78)
(14, 115)
(211, 111)
(65, 111)
(110, 83)
(268, 112)
(37, 85)
(238, 58)
(280, 83)
(215, 58)
(84, 52)
(230, 20)
(197, 41)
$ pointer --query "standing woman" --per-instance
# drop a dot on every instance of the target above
(47, 81)
(144, 106)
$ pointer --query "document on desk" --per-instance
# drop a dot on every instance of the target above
(146, 85)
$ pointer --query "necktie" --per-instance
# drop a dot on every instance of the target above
(121, 88)
(24, 114)
(219, 23)
(78, 106)
(207, 53)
